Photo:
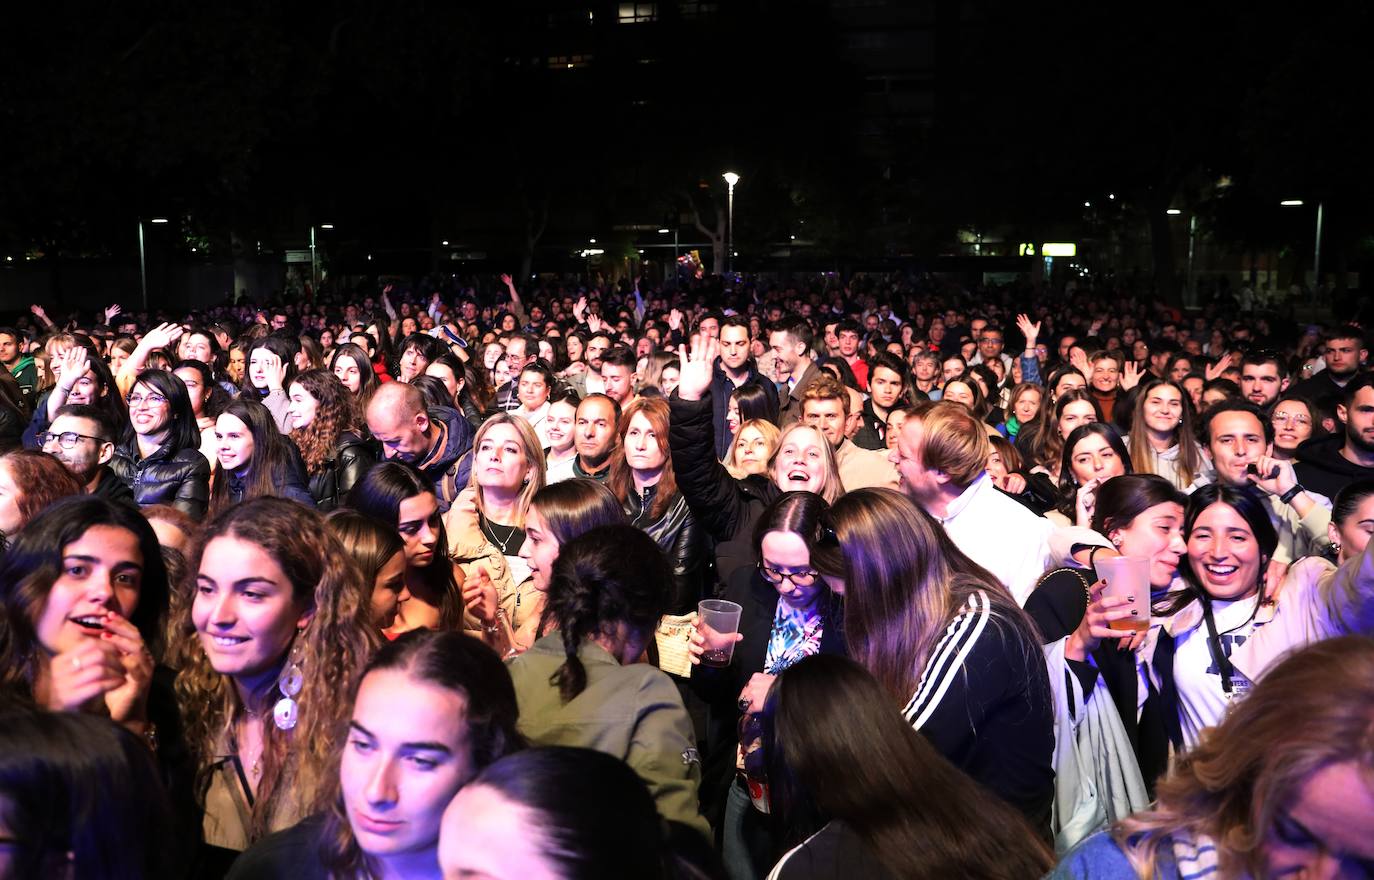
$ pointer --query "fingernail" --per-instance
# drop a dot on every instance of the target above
(1134, 613)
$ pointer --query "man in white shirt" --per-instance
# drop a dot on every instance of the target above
(940, 457)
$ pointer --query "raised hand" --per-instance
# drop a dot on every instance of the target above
(1078, 359)
(1130, 376)
(594, 323)
(1215, 370)
(89, 670)
(580, 308)
(111, 311)
(75, 362)
(507, 280)
(1029, 330)
(675, 319)
(273, 369)
(696, 368)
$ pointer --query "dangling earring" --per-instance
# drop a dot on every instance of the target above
(287, 712)
(1336, 547)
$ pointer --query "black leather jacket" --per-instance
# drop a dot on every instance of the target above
(678, 533)
(180, 478)
(350, 461)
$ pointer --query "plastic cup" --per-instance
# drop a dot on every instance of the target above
(718, 621)
(1128, 576)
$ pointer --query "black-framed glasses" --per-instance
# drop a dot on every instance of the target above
(67, 439)
(802, 578)
(152, 399)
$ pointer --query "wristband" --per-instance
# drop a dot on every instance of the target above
(1287, 497)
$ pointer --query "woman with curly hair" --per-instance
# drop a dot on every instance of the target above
(29, 481)
(448, 693)
(277, 628)
(324, 426)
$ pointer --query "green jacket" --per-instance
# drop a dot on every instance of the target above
(632, 712)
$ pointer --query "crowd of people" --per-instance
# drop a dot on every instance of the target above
(404, 582)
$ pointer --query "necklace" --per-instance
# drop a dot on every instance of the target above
(489, 529)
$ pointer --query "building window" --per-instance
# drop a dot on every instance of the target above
(696, 8)
(638, 13)
(569, 62)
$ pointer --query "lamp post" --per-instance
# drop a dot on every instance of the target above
(1317, 247)
(731, 178)
(143, 261)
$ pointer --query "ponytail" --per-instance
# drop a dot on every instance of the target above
(614, 574)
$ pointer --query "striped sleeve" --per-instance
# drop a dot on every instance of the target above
(946, 663)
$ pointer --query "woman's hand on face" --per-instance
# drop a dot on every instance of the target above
(274, 369)
(82, 673)
(1096, 623)
(129, 701)
(75, 362)
(756, 692)
(1085, 501)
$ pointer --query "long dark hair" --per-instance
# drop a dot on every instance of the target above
(607, 576)
(282, 347)
(216, 398)
(379, 495)
(755, 403)
(272, 458)
(572, 507)
(367, 378)
(835, 749)
(1068, 485)
(33, 563)
(455, 662)
(82, 794)
(806, 515)
(596, 817)
(1244, 500)
(182, 430)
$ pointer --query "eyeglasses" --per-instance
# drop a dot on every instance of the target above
(67, 439)
(1297, 421)
(803, 578)
(152, 399)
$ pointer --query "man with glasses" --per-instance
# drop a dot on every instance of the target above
(82, 438)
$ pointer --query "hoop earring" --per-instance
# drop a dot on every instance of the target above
(286, 712)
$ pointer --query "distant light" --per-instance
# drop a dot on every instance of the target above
(1087, 204)
(158, 220)
(591, 241)
(794, 238)
(731, 178)
(1291, 203)
(1059, 249)
(1111, 195)
(1173, 211)
(664, 231)
(641, 250)
(444, 242)
(326, 225)
(9, 259)
(193, 250)
(369, 256)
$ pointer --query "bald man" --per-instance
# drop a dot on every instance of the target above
(436, 440)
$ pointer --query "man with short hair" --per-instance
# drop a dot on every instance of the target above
(789, 341)
(1263, 377)
(826, 407)
(847, 333)
(1344, 352)
(618, 374)
(926, 374)
(1328, 464)
(81, 436)
(1237, 435)
(521, 348)
(735, 367)
(597, 437)
(20, 365)
(941, 457)
(888, 386)
(991, 341)
(436, 440)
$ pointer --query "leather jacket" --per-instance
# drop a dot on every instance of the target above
(180, 478)
(682, 538)
(351, 459)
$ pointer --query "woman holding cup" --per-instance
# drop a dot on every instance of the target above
(787, 612)
(1142, 515)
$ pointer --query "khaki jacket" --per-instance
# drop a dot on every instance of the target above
(864, 468)
(633, 712)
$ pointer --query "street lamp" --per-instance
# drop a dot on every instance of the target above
(142, 259)
(731, 178)
(1317, 248)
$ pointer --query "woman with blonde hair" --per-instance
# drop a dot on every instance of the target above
(486, 528)
(947, 642)
(643, 481)
(1282, 787)
(276, 630)
(753, 447)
